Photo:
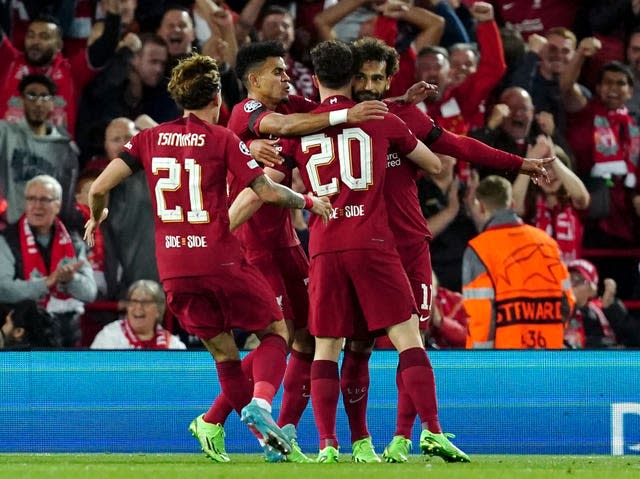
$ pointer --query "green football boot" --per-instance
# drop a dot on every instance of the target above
(363, 451)
(439, 445)
(211, 439)
(328, 455)
(397, 450)
(296, 455)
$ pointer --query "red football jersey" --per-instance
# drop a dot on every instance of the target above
(270, 227)
(186, 163)
(347, 163)
(401, 192)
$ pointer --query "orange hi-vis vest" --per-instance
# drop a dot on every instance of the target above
(524, 294)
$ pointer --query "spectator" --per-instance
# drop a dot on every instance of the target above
(552, 205)
(128, 87)
(606, 142)
(588, 326)
(41, 261)
(458, 107)
(35, 146)
(515, 285)
(448, 321)
(42, 54)
(513, 127)
(445, 203)
(141, 328)
(27, 326)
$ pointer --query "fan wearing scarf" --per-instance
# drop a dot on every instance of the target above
(141, 328)
(40, 260)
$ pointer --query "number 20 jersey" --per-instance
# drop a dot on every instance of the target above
(347, 164)
(186, 163)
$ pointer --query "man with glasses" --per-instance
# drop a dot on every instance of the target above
(40, 260)
(34, 146)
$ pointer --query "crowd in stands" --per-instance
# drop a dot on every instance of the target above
(542, 78)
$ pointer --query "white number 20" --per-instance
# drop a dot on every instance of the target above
(326, 155)
(196, 213)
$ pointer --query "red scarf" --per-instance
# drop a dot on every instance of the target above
(33, 265)
(159, 341)
(616, 143)
(561, 223)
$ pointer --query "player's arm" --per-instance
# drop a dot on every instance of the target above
(297, 124)
(116, 171)
(276, 194)
(425, 159)
(248, 202)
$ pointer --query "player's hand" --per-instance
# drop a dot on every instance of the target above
(482, 11)
(367, 110)
(90, 228)
(535, 168)
(321, 207)
(417, 92)
(266, 152)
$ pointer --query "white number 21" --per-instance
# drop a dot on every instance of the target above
(196, 213)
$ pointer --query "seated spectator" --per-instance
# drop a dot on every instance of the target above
(552, 205)
(27, 326)
(448, 321)
(588, 326)
(513, 127)
(515, 285)
(141, 328)
(35, 146)
(41, 261)
(42, 55)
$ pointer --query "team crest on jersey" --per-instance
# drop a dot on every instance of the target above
(252, 105)
(244, 148)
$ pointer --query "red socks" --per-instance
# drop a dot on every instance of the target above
(406, 414)
(236, 388)
(270, 361)
(325, 390)
(354, 384)
(297, 388)
(419, 383)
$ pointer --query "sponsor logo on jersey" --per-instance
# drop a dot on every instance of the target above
(393, 160)
(349, 211)
(252, 105)
(244, 148)
(190, 241)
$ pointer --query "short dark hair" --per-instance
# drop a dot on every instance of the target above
(616, 67)
(370, 49)
(37, 78)
(253, 55)
(333, 63)
(41, 329)
(152, 38)
(194, 81)
(272, 10)
(48, 18)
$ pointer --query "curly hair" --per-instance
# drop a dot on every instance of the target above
(194, 81)
(333, 62)
(370, 49)
(252, 56)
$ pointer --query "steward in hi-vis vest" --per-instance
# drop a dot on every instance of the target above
(516, 288)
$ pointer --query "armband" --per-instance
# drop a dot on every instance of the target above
(337, 117)
(308, 202)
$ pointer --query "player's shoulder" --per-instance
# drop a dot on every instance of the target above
(298, 104)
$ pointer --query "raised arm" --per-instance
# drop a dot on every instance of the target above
(327, 19)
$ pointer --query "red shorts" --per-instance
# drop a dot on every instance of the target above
(416, 260)
(234, 296)
(356, 288)
(287, 271)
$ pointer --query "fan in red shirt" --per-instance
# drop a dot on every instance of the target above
(200, 262)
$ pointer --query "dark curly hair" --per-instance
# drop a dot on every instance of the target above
(370, 49)
(333, 62)
(252, 56)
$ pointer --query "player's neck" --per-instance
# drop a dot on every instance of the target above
(208, 114)
(329, 92)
